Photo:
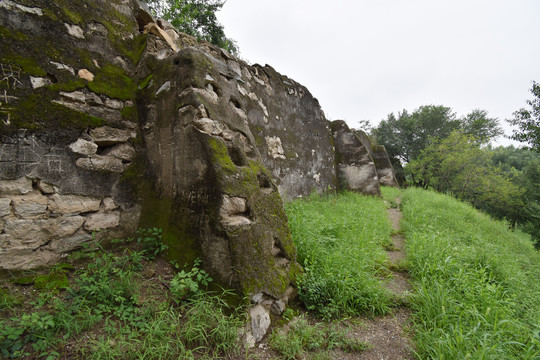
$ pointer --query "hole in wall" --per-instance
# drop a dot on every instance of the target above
(237, 156)
(235, 103)
(52, 78)
(264, 182)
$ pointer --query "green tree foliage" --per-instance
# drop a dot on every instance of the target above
(458, 165)
(406, 135)
(528, 121)
(523, 167)
(196, 18)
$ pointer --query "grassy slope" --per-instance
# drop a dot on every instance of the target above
(340, 241)
(477, 289)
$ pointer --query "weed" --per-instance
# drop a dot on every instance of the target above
(188, 284)
(151, 241)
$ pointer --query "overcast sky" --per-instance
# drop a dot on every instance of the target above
(365, 59)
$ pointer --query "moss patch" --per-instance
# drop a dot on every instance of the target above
(53, 281)
(111, 80)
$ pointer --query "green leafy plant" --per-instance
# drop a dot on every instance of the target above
(187, 284)
(151, 241)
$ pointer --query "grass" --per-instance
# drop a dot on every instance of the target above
(340, 241)
(476, 283)
(110, 308)
(302, 337)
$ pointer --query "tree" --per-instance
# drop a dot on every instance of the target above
(406, 135)
(196, 18)
(483, 128)
(528, 121)
(458, 165)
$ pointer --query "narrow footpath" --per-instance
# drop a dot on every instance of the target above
(386, 334)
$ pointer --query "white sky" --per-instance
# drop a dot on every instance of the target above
(363, 59)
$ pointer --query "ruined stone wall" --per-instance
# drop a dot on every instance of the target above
(67, 127)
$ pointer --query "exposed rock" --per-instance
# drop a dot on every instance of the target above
(234, 212)
(75, 30)
(355, 168)
(278, 307)
(45, 188)
(99, 221)
(38, 82)
(73, 204)
(70, 243)
(84, 147)
(275, 149)
(387, 176)
(5, 207)
(30, 206)
(86, 74)
(10, 5)
(107, 136)
(260, 321)
(123, 151)
(101, 163)
(108, 204)
(20, 186)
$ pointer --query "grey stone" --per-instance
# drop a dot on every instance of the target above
(101, 163)
(209, 126)
(30, 206)
(75, 30)
(70, 243)
(123, 151)
(22, 185)
(10, 5)
(5, 207)
(278, 307)
(73, 204)
(275, 149)
(63, 226)
(108, 204)
(99, 221)
(233, 212)
(38, 82)
(45, 188)
(257, 298)
(260, 321)
(356, 170)
(107, 136)
(83, 147)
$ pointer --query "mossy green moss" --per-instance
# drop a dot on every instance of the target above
(220, 155)
(53, 281)
(13, 34)
(112, 80)
(28, 65)
(39, 112)
(129, 113)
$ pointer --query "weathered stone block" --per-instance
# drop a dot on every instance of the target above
(73, 204)
(107, 136)
(123, 151)
(67, 244)
(84, 147)
(101, 163)
(100, 221)
(5, 206)
(260, 321)
(30, 206)
(20, 186)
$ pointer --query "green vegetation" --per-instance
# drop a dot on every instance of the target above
(116, 306)
(528, 121)
(476, 283)
(318, 338)
(196, 18)
(340, 241)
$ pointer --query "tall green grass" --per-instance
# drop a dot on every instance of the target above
(477, 289)
(340, 241)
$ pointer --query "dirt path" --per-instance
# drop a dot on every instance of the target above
(386, 334)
